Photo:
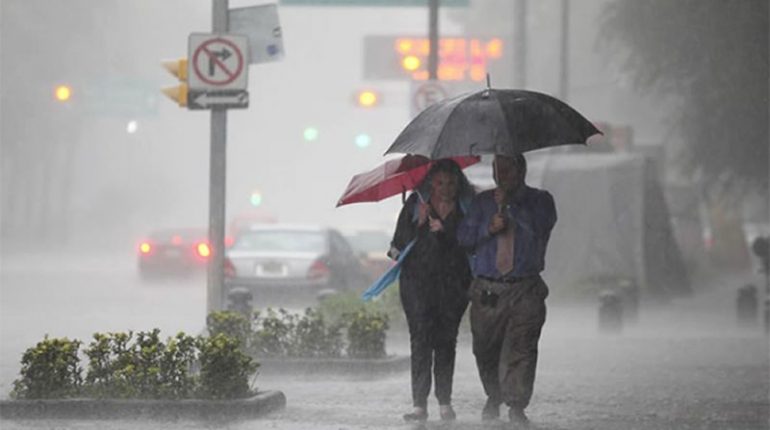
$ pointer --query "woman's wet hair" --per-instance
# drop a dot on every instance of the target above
(464, 188)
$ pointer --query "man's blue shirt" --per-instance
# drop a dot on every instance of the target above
(532, 213)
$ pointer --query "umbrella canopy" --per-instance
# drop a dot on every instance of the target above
(393, 177)
(490, 121)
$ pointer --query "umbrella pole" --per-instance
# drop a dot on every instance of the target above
(494, 169)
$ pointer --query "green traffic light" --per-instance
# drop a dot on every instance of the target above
(256, 199)
(363, 140)
(311, 134)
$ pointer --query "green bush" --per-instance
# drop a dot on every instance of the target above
(177, 380)
(124, 365)
(225, 368)
(49, 370)
(274, 334)
(110, 366)
(144, 368)
(313, 338)
(283, 334)
(335, 307)
(231, 324)
(366, 334)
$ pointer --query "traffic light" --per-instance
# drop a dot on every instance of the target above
(256, 198)
(63, 93)
(363, 140)
(367, 98)
(310, 134)
(177, 93)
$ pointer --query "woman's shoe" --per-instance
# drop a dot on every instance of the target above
(418, 414)
(491, 411)
(447, 413)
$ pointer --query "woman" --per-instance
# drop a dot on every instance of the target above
(434, 280)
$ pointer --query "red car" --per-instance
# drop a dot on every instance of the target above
(173, 252)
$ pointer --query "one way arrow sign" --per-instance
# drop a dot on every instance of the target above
(222, 99)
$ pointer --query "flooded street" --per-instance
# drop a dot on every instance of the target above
(684, 365)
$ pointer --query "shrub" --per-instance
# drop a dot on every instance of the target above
(366, 334)
(225, 369)
(110, 365)
(121, 365)
(176, 378)
(274, 334)
(313, 338)
(49, 370)
(231, 324)
(337, 306)
(145, 378)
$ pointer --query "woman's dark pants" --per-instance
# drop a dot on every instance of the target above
(433, 338)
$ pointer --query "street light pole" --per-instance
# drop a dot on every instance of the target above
(433, 39)
(217, 181)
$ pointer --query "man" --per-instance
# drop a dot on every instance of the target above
(506, 232)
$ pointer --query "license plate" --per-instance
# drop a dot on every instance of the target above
(271, 270)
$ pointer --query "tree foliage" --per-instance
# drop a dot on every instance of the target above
(712, 55)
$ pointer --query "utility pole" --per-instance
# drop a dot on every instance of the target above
(217, 180)
(520, 44)
(433, 39)
(564, 70)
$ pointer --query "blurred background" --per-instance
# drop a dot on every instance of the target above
(94, 157)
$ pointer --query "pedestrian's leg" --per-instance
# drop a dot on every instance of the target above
(518, 360)
(445, 346)
(422, 356)
(487, 327)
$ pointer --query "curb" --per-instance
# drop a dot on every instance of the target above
(334, 366)
(252, 407)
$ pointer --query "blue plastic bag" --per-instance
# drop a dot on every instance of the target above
(387, 278)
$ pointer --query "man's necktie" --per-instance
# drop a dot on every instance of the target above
(505, 238)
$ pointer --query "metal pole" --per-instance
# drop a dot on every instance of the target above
(433, 39)
(217, 184)
(520, 44)
(564, 75)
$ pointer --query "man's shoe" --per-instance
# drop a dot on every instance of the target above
(491, 411)
(418, 414)
(447, 413)
(518, 418)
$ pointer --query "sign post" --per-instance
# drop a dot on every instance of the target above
(217, 179)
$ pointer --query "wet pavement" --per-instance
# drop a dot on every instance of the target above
(683, 365)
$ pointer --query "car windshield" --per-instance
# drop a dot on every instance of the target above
(281, 240)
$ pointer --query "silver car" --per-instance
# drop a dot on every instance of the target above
(286, 264)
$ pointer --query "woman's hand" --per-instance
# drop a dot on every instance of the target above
(436, 225)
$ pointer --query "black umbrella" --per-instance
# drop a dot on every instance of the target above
(491, 121)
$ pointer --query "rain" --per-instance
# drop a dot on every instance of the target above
(658, 310)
